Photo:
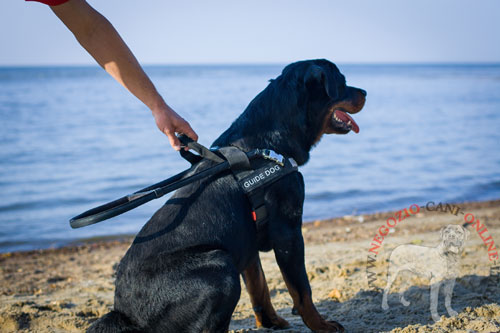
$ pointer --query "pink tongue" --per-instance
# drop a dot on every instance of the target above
(345, 118)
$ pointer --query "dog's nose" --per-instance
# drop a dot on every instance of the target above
(363, 92)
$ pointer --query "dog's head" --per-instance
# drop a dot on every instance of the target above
(309, 99)
(453, 237)
(329, 99)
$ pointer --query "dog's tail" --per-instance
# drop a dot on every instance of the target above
(113, 322)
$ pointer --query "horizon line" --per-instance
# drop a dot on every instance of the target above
(271, 63)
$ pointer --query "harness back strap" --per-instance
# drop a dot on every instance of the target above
(237, 158)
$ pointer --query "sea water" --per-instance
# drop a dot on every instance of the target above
(71, 139)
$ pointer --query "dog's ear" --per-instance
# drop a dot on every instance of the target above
(441, 233)
(466, 232)
(316, 81)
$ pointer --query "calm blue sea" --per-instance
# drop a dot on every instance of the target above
(71, 138)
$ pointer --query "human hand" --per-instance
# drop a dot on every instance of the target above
(169, 122)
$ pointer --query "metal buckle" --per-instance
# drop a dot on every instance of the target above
(273, 156)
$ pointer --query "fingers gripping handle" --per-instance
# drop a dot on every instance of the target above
(201, 150)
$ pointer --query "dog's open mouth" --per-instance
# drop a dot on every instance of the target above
(342, 123)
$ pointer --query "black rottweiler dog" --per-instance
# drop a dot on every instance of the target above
(181, 273)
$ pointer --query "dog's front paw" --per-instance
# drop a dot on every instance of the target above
(452, 312)
(435, 317)
(328, 326)
(273, 321)
(403, 301)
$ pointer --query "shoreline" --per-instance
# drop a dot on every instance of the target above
(340, 220)
(65, 289)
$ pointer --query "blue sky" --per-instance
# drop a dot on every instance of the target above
(265, 31)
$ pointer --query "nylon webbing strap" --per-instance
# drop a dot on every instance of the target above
(262, 177)
(254, 182)
(200, 149)
(259, 209)
(238, 159)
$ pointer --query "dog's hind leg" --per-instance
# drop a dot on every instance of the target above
(448, 292)
(192, 290)
(402, 299)
(221, 292)
(113, 322)
(392, 274)
(215, 285)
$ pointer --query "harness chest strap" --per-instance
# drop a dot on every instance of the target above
(253, 182)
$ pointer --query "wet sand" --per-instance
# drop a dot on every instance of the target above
(66, 289)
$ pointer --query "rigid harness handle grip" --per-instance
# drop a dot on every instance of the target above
(109, 210)
(124, 204)
(201, 150)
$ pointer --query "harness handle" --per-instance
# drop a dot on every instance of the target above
(237, 161)
(131, 201)
(203, 152)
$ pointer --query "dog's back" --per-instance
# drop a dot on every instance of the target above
(415, 258)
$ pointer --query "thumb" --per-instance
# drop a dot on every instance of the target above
(174, 141)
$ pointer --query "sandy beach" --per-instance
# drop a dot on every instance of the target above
(66, 289)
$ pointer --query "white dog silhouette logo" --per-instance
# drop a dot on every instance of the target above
(438, 264)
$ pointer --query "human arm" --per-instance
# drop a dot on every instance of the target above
(96, 34)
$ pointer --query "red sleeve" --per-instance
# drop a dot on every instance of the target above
(51, 2)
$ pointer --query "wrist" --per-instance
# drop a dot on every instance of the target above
(155, 102)
(160, 108)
